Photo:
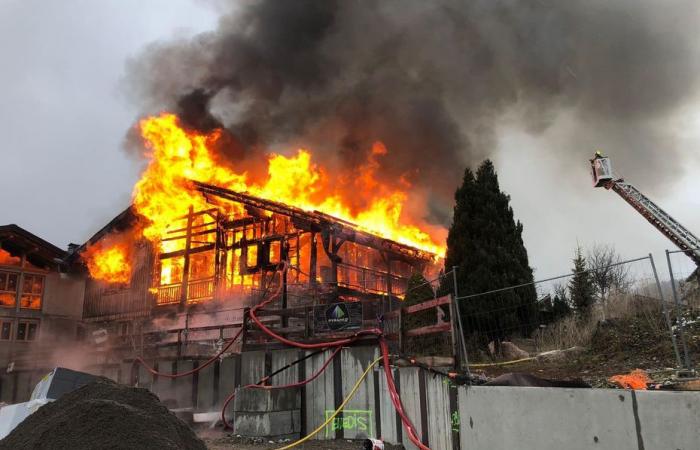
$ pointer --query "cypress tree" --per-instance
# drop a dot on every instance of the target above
(485, 244)
(581, 286)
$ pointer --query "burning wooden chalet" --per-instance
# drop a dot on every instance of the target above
(214, 263)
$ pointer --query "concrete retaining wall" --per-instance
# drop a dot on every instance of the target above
(445, 416)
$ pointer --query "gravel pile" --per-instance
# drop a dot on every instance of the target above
(103, 415)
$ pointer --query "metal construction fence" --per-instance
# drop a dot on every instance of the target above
(684, 287)
(554, 313)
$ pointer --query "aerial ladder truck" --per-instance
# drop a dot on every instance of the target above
(668, 226)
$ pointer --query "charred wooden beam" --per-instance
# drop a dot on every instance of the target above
(341, 228)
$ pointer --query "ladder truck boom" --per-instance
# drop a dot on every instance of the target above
(667, 225)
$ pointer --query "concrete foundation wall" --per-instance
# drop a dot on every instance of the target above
(445, 416)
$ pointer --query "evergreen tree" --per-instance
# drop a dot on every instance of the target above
(485, 244)
(581, 287)
(560, 308)
(418, 291)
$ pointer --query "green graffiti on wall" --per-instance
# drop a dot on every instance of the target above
(455, 421)
(358, 420)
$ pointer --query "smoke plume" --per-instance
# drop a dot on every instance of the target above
(432, 80)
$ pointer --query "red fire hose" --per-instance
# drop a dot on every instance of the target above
(196, 369)
(259, 385)
(395, 398)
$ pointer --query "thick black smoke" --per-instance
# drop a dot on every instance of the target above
(432, 80)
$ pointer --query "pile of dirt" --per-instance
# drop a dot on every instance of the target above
(103, 415)
(634, 342)
(617, 346)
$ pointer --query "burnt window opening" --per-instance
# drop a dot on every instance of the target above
(32, 290)
(8, 259)
(8, 289)
(251, 257)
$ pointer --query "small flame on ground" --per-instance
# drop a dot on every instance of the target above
(637, 379)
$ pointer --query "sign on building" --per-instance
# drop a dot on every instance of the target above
(337, 317)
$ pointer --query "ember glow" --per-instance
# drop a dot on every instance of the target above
(7, 259)
(637, 379)
(176, 156)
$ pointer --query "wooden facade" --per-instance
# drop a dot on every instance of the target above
(217, 259)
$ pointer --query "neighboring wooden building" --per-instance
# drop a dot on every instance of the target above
(40, 305)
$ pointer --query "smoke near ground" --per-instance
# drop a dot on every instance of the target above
(433, 81)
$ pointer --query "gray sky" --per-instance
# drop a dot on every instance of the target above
(63, 117)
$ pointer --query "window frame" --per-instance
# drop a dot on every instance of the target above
(27, 324)
(10, 335)
(33, 276)
(5, 290)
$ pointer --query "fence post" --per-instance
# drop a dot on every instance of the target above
(665, 311)
(465, 360)
(679, 318)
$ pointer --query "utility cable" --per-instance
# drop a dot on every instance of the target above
(259, 384)
(337, 411)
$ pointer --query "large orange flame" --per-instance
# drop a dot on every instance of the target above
(110, 262)
(176, 156)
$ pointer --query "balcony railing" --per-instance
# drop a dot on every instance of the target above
(198, 290)
(169, 294)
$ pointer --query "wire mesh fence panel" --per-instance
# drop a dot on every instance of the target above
(683, 288)
(567, 311)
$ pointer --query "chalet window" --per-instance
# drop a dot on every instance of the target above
(32, 289)
(251, 258)
(275, 254)
(201, 265)
(171, 270)
(8, 289)
(5, 330)
(27, 331)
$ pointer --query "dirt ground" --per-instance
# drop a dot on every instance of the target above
(618, 346)
(222, 441)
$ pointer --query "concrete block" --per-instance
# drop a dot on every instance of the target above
(261, 400)
(438, 404)
(227, 382)
(496, 417)
(205, 389)
(253, 367)
(668, 419)
(182, 386)
(319, 393)
(274, 424)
